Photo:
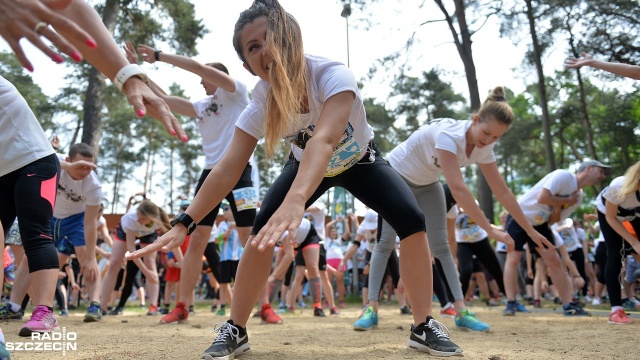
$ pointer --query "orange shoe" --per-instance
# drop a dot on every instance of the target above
(448, 311)
(153, 310)
(619, 317)
(268, 316)
(178, 314)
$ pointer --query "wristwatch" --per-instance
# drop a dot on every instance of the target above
(185, 220)
(128, 71)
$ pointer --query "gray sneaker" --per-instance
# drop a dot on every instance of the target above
(228, 343)
(432, 337)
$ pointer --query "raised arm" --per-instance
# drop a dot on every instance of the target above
(207, 73)
(626, 70)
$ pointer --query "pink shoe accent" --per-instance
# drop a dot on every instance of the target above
(48, 190)
(42, 320)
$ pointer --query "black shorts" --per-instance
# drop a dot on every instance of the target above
(228, 270)
(520, 237)
(244, 218)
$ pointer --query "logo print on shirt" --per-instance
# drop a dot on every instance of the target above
(30, 175)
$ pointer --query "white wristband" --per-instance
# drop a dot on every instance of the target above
(128, 71)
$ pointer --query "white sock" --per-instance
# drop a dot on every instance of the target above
(15, 307)
(615, 308)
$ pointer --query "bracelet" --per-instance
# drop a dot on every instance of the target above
(127, 72)
(156, 55)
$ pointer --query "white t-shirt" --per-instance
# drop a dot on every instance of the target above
(22, 140)
(569, 235)
(333, 248)
(130, 222)
(559, 242)
(301, 233)
(560, 183)
(467, 231)
(628, 208)
(318, 218)
(416, 159)
(217, 115)
(75, 195)
(600, 239)
(326, 79)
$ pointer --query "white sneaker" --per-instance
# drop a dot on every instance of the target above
(596, 301)
(588, 298)
(635, 301)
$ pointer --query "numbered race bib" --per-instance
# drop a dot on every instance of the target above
(245, 198)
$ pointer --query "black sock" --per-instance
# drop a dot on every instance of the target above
(222, 306)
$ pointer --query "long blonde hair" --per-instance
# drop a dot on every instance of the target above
(631, 181)
(287, 75)
(496, 106)
(155, 213)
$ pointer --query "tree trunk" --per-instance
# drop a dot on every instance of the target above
(94, 98)
(542, 89)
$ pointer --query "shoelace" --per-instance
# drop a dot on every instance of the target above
(39, 313)
(225, 329)
(438, 328)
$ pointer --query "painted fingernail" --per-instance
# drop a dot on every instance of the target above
(29, 67)
(172, 132)
(141, 113)
(185, 138)
(92, 44)
(76, 56)
(57, 59)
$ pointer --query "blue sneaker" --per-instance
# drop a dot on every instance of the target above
(628, 305)
(574, 309)
(521, 308)
(510, 310)
(368, 320)
(94, 312)
(468, 320)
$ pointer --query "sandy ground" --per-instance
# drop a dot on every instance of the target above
(544, 334)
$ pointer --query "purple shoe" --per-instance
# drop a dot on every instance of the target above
(42, 320)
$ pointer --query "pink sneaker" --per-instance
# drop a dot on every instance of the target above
(42, 320)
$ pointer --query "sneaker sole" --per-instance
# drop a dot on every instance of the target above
(89, 318)
(362, 328)
(26, 332)
(271, 323)
(412, 345)
(239, 352)
(619, 323)
(464, 328)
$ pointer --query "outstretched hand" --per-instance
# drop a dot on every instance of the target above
(541, 241)
(575, 63)
(30, 19)
(167, 242)
(145, 102)
(130, 52)
(287, 217)
(147, 53)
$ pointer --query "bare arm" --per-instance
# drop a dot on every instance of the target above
(102, 229)
(547, 198)
(504, 195)
(319, 149)
(612, 219)
(451, 236)
(626, 70)
(207, 73)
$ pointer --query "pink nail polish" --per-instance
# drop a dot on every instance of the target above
(92, 44)
(185, 138)
(57, 59)
(76, 56)
(141, 113)
(172, 132)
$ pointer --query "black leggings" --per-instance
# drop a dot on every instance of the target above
(439, 287)
(601, 261)
(577, 256)
(485, 255)
(616, 246)
(376, 184)
(29, 193)
(129, 280)
(213, 259)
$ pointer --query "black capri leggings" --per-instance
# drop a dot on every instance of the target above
(29, 193)
(213, 259)
(485, 255)
(601, 261)
(375, 183)
(617, 249)
(129, 280)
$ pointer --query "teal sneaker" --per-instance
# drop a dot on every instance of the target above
(4, 353)
(368, 320)
(468, 320)
(221, 312)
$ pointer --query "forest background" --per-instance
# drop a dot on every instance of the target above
(416, 60)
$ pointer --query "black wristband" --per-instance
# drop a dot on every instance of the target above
(156, 55)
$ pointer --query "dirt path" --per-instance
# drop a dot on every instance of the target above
(539, 335)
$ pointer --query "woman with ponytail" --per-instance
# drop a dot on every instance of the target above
(315, 105)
